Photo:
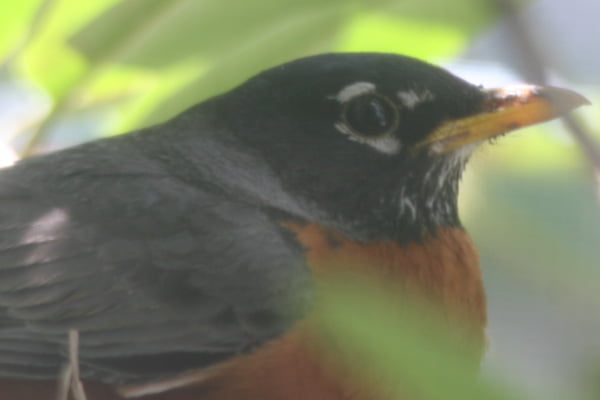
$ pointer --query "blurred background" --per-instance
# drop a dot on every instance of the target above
(72, 71)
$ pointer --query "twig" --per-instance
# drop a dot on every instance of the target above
(64, 383)
(582, 136)
(76, 385)
(70, 381)
(534, 62)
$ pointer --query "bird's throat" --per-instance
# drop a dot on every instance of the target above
(442, 268)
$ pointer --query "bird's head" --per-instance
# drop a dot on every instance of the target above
(378, 142)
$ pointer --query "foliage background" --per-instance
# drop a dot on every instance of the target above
(72, 71)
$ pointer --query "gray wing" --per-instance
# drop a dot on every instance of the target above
(158, 275)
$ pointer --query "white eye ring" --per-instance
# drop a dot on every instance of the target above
(384, 141)
(376, 110)
(354, 90)
(387, 144)
(410, 98)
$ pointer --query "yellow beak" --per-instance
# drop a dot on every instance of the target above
(504, 110)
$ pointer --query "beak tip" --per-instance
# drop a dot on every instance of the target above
(564, 100)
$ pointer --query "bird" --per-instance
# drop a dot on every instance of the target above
(187, 260)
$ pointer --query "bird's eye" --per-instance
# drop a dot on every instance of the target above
(370, 115)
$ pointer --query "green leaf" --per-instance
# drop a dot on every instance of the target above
(385, 33)
(542, 228)
(160, 33)
(470, 16)
(309, 32)
(146, 103)
(48, 60)
(233, 39)
(15, 17)
(410, 346)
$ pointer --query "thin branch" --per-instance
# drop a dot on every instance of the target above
(64, 383)
(70, 380)
(76, 385)
(534, 69)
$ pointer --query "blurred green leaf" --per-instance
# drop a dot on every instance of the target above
(303, 33)
(469, 16)
(148, 104)
(535, 150)
(158, 33)
(386, 33)
(591, 379)
(128, 28)
(15, 17)
(48, 60)
(411, 346)
(540, 226)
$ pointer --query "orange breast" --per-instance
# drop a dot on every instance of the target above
(443, 268)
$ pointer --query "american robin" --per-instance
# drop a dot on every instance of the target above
(189, 256)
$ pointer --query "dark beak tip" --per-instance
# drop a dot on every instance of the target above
(562, 99)
(557, 99)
